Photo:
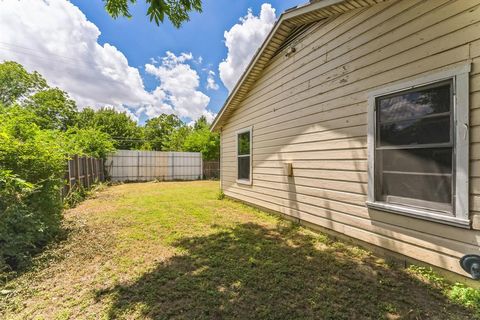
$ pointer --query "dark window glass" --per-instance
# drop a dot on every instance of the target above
(416, 131)
(416, 103)
(432, 160)
(434, 188)
(414, 156)
(244, 167)
(244, 143)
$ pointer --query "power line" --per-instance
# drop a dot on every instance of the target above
(37, 51)
(49, 57)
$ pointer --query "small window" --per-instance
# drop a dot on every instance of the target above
(414, 145)
(244, 161)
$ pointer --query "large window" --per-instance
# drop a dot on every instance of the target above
(416, 135)
(244, 160)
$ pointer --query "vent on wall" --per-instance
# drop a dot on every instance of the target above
(295, 34)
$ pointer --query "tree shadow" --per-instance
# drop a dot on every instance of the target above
(251, 271)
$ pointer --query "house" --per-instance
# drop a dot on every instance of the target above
(363, 117)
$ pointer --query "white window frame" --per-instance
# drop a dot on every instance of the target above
(459, 74)
(249, 130)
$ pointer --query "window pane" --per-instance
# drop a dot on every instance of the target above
(414, 104)
(244, 143)
(416, 131)
(423, 187)
(244, 167)
(415, 176)
(435, 160)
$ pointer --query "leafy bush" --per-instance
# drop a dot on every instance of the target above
(466, 296)
(220, 195)
(32, 168)
(89, 142)
(37, 136)
(16, 222)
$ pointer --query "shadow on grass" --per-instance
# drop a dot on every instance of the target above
(254, 272)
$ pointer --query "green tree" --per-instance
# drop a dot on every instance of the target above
(177, 11)
(157, 132)
(54, 109)
(89, 141)
(125, 131)
(176, 140)
(201, 139)
(16, 83)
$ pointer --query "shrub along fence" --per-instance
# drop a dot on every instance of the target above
(83, 171)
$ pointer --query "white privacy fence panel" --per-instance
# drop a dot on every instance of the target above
(133, 165)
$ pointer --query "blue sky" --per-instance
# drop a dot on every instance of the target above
(112, 57)
(139, 39)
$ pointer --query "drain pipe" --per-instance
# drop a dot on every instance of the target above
(471, 264)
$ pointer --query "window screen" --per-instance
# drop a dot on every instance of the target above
(243, 155)
(414, 148)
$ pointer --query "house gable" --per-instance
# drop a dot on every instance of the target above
(290, 23)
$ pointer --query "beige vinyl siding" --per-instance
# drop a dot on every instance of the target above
(311, 109)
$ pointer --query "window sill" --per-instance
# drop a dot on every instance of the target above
(244, 181)
(420, 214)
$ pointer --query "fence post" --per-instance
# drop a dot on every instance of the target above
(69, 175)
(102, 169)
(76, 162)
(89, 166)
(87, 172)
(94, 172)
(201, 166)
(97, 173)
(92, 167)
(138, 165)
(173, 165)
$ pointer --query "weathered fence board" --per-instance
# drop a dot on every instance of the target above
(83, 171)
(134, 165)
(211, 169)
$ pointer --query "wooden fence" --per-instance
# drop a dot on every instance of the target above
(211, 169)
(139, 165)
(132, 165)
(83, 171)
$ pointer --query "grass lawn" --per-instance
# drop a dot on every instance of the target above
(173, 250)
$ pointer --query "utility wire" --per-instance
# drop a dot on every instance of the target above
(79, 64)
(6, 44)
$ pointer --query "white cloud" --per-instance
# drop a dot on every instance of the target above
(209, 115)
(242, 41)
(211, 84)
(179, 85)
(55, 38)
(59, 42)
(121, 108)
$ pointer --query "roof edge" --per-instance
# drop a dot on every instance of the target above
(248, 69)
(283, 19)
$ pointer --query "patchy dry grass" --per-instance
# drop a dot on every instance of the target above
(173, 250)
